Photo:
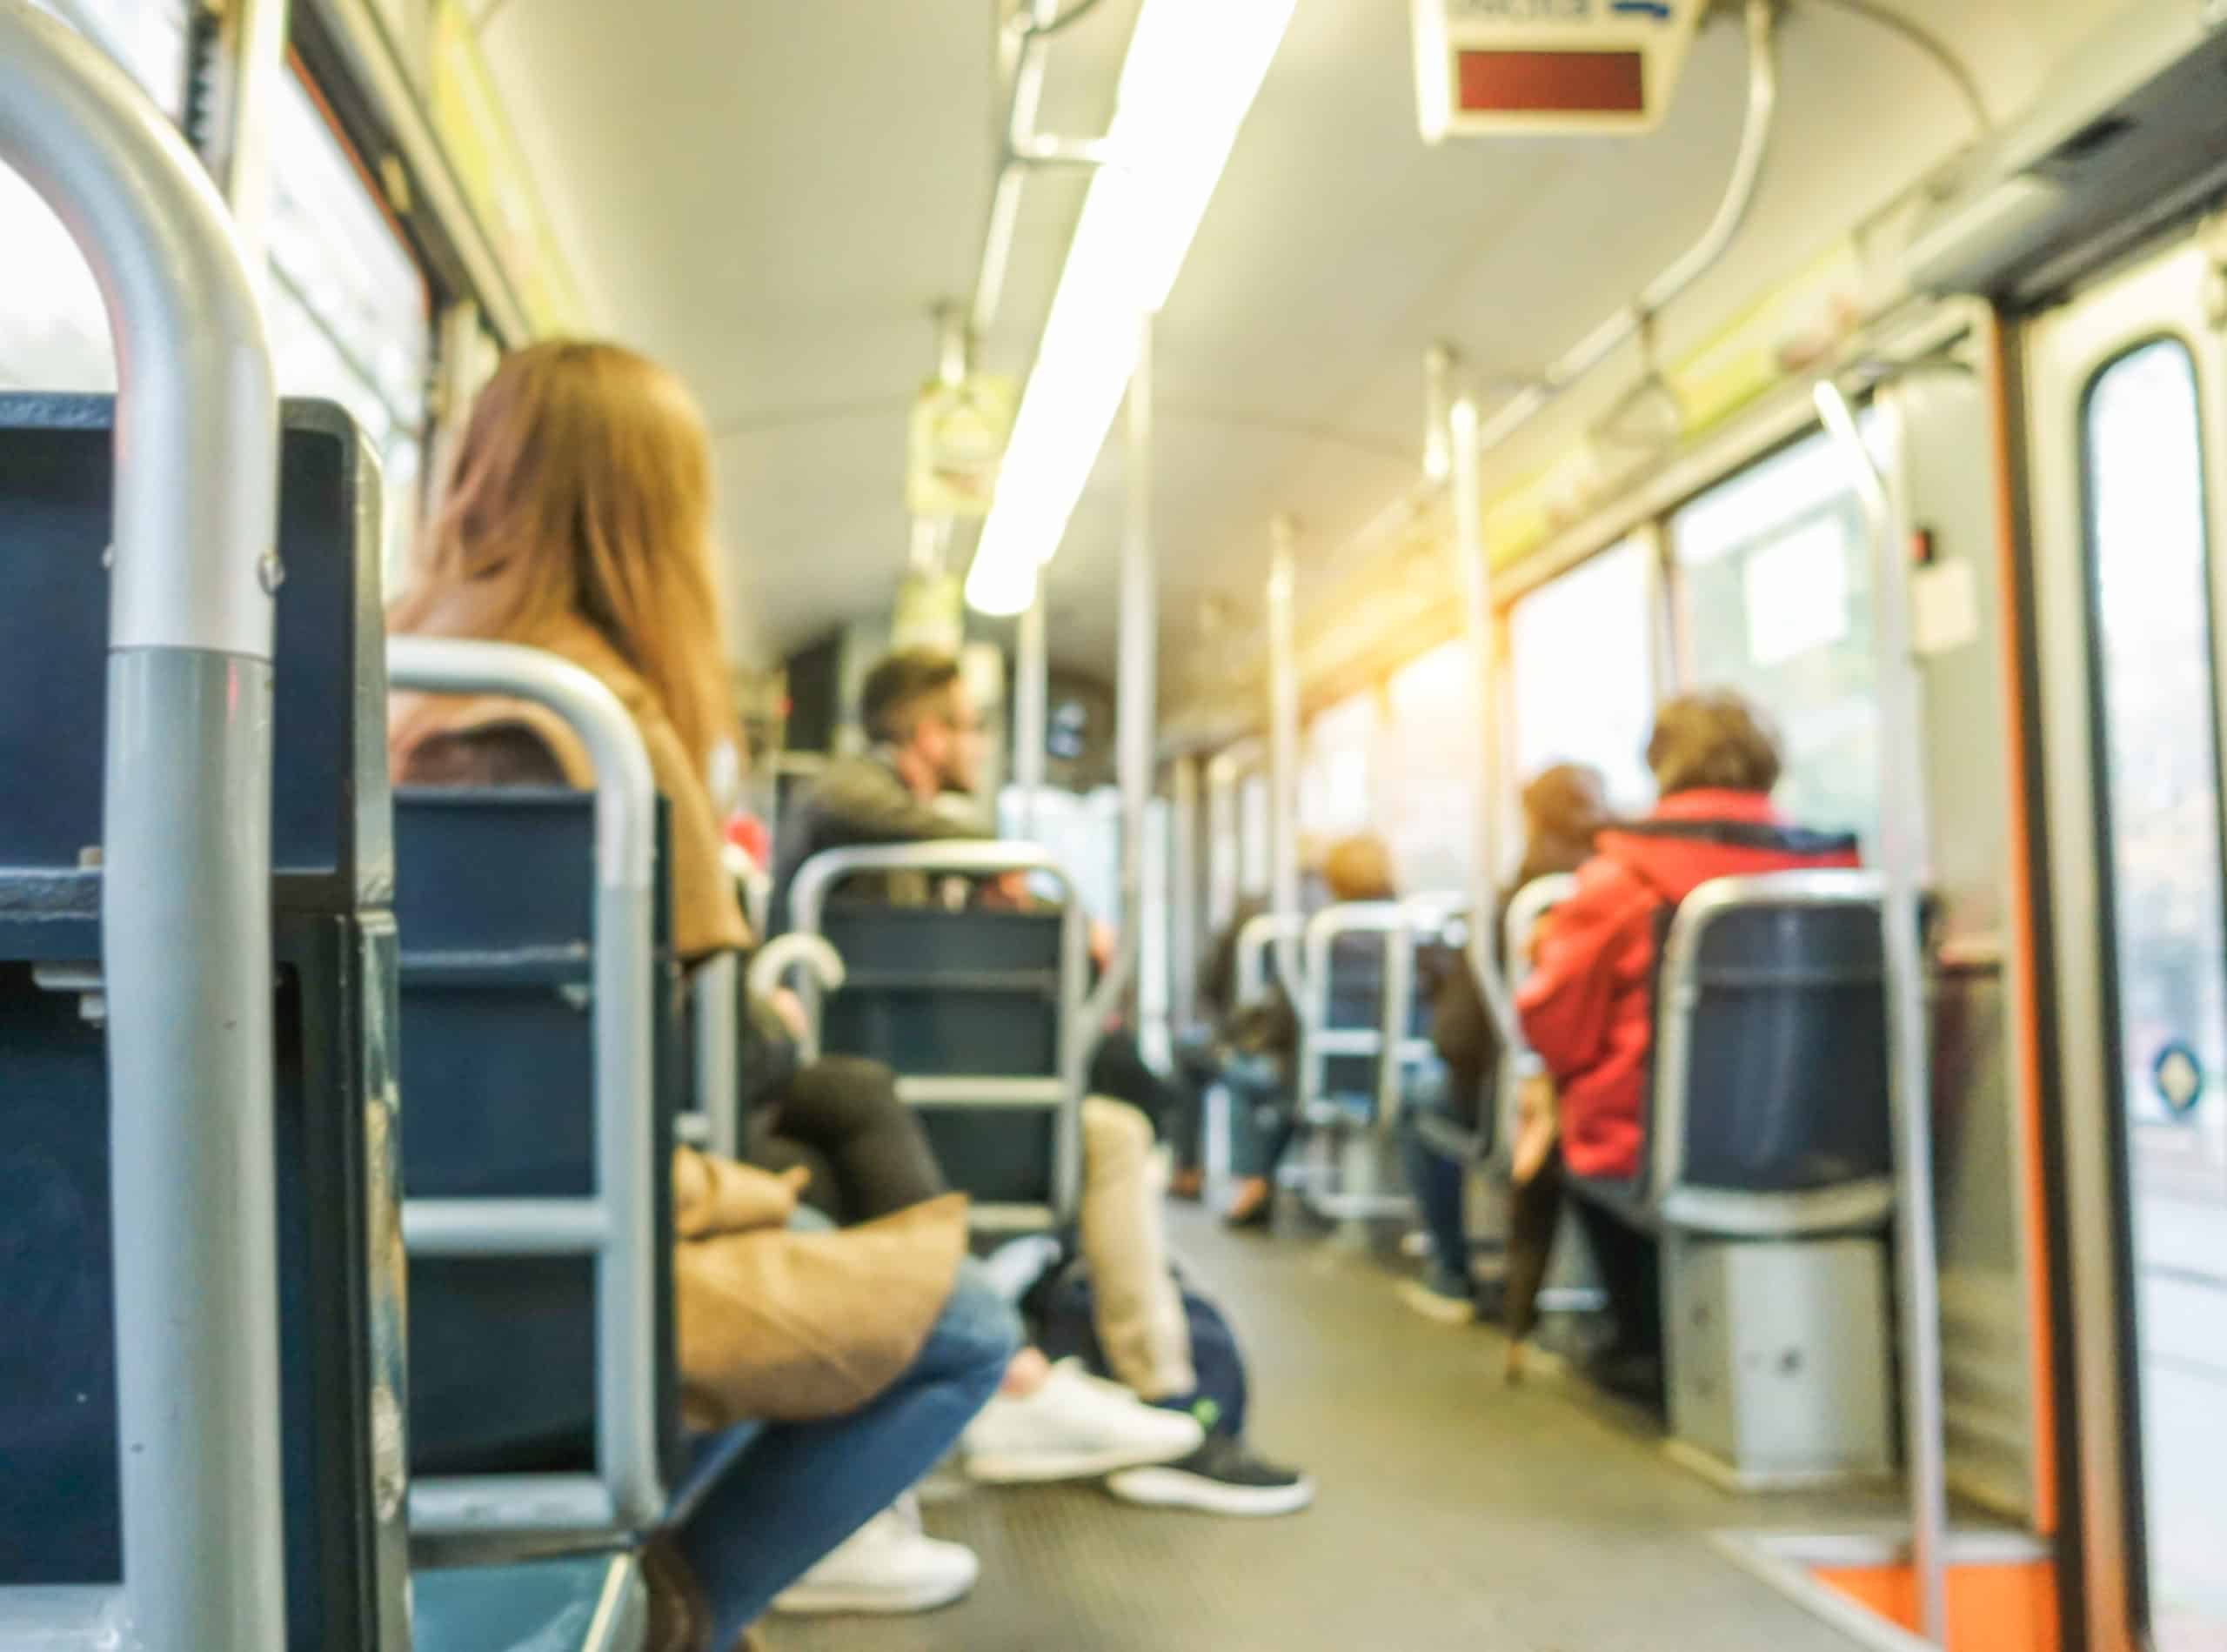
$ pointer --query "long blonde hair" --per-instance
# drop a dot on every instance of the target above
(580, 491)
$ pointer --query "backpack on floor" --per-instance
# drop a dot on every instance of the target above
(1059, 1306)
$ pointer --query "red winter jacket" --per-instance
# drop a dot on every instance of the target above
(1585, 1006)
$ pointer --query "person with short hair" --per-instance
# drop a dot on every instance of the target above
(926, 746)
(1586, 1006)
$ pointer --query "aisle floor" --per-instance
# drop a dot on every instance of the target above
(1454, 1513)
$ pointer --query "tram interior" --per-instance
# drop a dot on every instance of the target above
(1283, 426)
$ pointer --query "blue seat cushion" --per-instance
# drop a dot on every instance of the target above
(576, 1604)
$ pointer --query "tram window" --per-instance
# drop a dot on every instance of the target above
(347, 306)
(53, 333)
(1774, 592)
(1337, 769)
(1430, 765)
(1581, 668)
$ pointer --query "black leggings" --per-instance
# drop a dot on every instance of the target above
(1118, 1068)
(1631, 1272)
(839, 1118)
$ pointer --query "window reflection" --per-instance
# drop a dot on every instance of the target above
(53, 334)
(1581, 665)
(1775, 593)
(347, 306)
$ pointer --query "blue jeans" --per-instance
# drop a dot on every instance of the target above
(803, 1487)
(1261, 1129)
(1436, 1181)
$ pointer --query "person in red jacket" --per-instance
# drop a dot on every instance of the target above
(1586, 1006)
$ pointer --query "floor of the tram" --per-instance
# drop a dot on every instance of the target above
(1454, 1512)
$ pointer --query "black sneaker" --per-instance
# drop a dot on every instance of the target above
(1220, 1477)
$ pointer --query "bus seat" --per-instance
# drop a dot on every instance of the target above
(494, 899)
(340, 1299)
(963, 1006)
(981, 1014)
(1768, 1170)
(572, 1603)
(1364, 1052)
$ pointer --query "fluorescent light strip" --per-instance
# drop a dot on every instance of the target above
(1193, 68)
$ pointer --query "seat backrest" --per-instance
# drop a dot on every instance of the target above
(339, 1302)
(1770, 1075)
(980, 1012)
(948, 999)
(495, 899)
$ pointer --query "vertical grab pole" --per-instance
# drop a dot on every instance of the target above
(1283, 766)
(185, 897)
(1468, 501)
(1135, 712)
(1184, 893)
(1029, 669)
(1902, 859)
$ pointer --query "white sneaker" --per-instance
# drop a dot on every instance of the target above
(1076, 1426)
(887, 1566)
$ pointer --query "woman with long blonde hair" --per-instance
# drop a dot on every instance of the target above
(577, 519)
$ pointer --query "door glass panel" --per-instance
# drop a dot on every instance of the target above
(1774, 592)
(2149, 562)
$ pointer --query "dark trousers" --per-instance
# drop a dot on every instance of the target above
(1437, 1182)
(1119, 1070)
(1631, 1272)
(839, 1118)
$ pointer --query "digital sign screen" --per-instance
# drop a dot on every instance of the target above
(1551, 82)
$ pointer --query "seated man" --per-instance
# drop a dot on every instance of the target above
(926, 744)
(1586, 1008)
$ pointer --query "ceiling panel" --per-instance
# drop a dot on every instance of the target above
(774, 196)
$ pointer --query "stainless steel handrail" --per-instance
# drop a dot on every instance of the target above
(185, 887)
(716, 996)
(981, 859)
(1531, 903)
(1262, 934)
(617, 1225)
(1901, 858)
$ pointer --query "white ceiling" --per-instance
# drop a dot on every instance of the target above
(772, 197)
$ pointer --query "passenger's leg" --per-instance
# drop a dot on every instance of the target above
(822, 1191)
(1117, 1069)
(805, 1487)
(1138, 1309)
(1261, 1129)
(1630, 1273)
(1446, 1290)
(847, 1111)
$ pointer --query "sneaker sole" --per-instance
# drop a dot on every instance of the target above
(836, 1600)
(1031, 1468)
(1170, 1489)
(1446, 1310)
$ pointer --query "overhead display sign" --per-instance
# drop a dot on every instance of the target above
(958, 439)
(1509, 68)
